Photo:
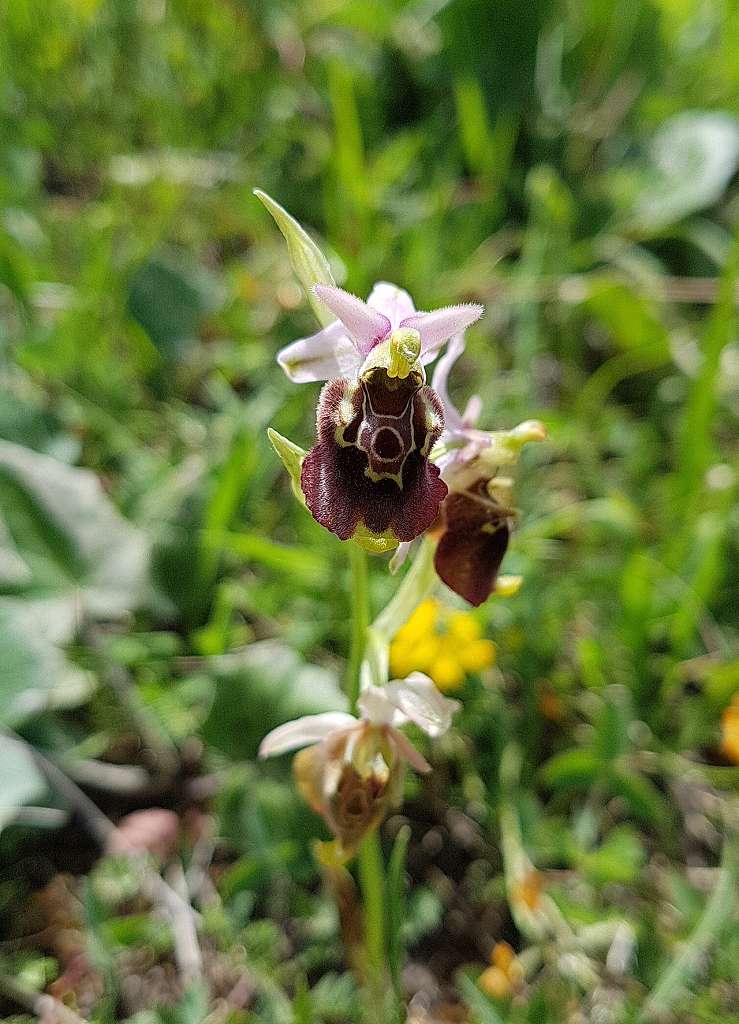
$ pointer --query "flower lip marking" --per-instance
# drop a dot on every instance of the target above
(387, 439)
(386, 444)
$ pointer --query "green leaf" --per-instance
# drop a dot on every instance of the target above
(612, 723)
(191, 1009)
(34, 673)
(169, 296)
(571, 769)
(261, 687)
(310, 265)
(481, 1008)
(81, 553)
(619, 859)
(643, 797)
(23, 781)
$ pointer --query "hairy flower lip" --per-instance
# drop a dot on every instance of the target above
(370, 465)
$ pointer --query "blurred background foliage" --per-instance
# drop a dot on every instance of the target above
(164, 600)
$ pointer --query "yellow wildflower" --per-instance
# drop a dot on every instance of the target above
(730, 731)
(444, 643)
(504, 974)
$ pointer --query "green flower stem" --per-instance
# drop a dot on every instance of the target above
(370, 649)
(371, 868)
(372, 881)
(360, 621)
(416, 586)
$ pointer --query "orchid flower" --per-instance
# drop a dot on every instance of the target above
(369, 477)
(475, 520)
(370, 469)
(341, 349)
(352, 770)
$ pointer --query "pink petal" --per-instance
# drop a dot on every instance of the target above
(436, 327)
(329, 353)
(304, 731)
(472, 411)
(408, 752)
(452, 419)
(366, 326)
(394, 302)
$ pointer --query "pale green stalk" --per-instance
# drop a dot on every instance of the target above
(360, 621)
(417, 584)
(371, 869)
(368, 663)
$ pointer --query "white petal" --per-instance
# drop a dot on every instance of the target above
(394, 302)
(409, 753)
(399, 556)
(452, 419)
(419, 700)
(304, 731)
(472, 411)
(376, 707)
(439, 325)
(367, 327)
(329, 353)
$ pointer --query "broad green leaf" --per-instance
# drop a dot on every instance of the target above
(23, 781)
(261, 687)
(632, 321)
(34, 673)
(619, 859)
(75, 543)
(310, 265)
(612, 723)
(169, 296)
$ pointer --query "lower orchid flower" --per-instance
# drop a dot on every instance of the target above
(352, 769)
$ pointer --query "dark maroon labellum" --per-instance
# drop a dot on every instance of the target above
(471, 548)
(371, 463)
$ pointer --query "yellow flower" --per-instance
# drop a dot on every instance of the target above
(730, 731)
(444, 643)
(504, 974)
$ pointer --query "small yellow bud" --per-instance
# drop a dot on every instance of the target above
(502, 956)
(507, 586)
(495, 983)
(528, 891)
